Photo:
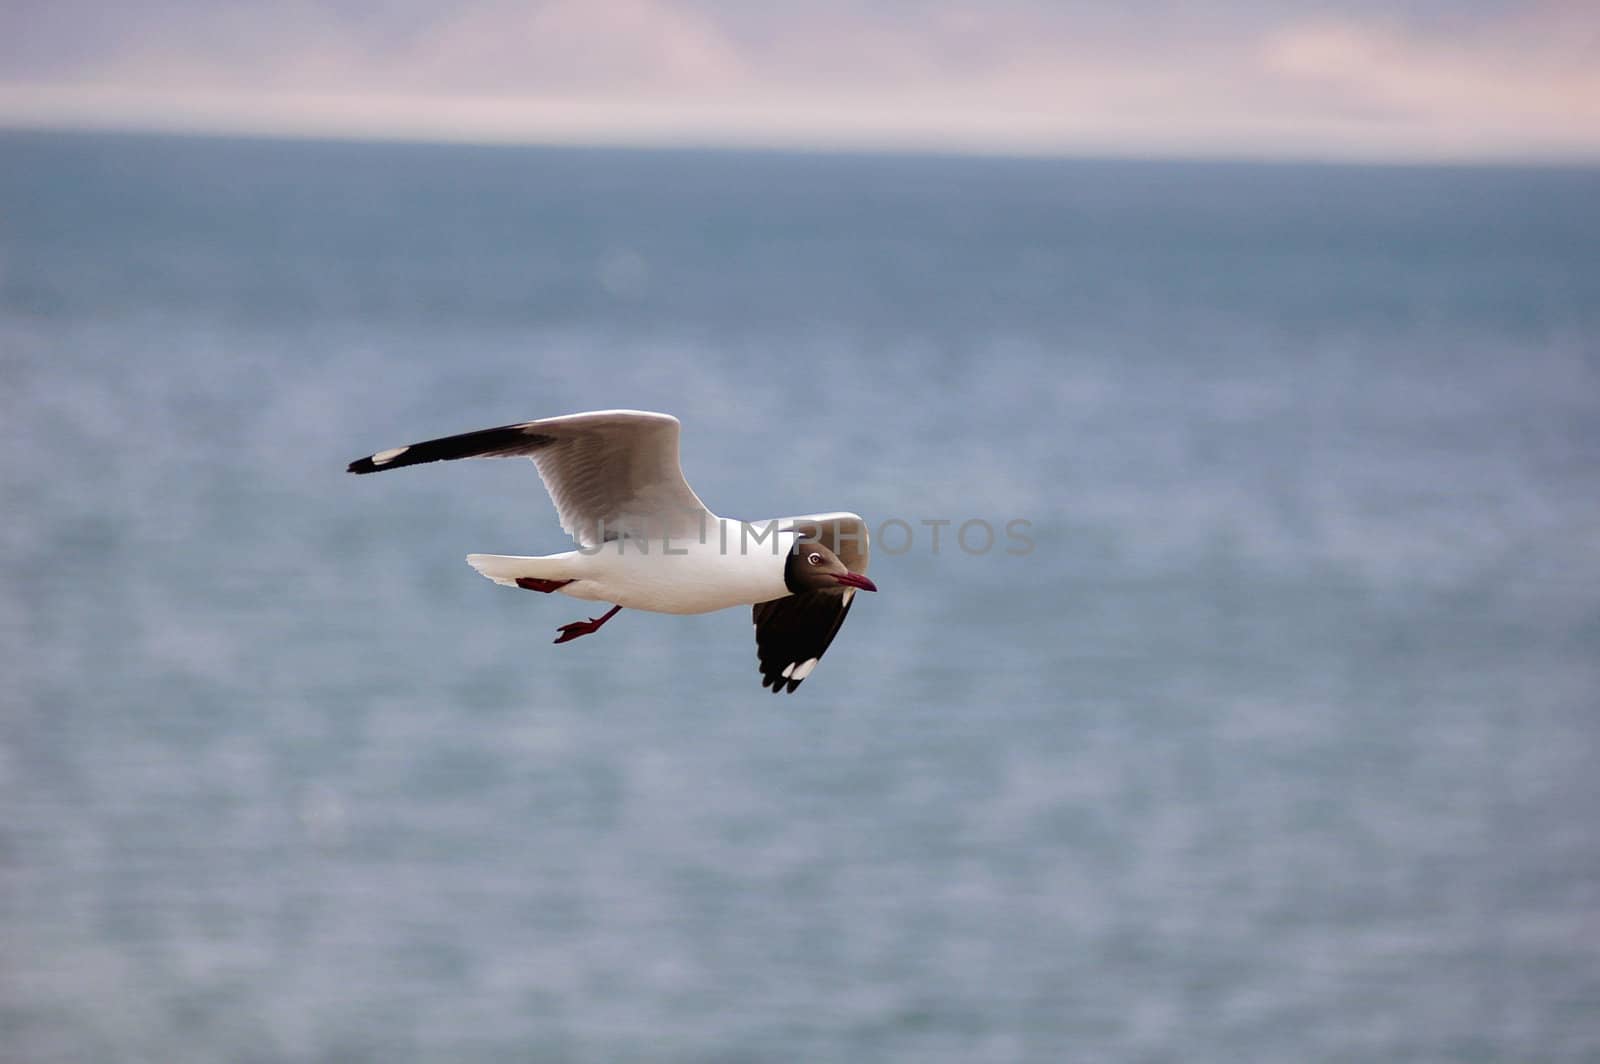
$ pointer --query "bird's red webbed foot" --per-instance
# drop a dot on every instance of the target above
(577, 628)
(533, 583)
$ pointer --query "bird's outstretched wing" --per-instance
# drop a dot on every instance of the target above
(610, 473)
(793, 632)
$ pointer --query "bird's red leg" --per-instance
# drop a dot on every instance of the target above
(533, 583)
(577, 628)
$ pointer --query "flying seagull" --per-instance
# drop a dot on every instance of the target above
(647, 542)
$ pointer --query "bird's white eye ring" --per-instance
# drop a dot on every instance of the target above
(814, 558)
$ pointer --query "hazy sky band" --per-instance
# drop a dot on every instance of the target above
(1426, 80)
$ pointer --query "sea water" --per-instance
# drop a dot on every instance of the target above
(1279, 742)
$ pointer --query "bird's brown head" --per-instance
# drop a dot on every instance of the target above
(813, 567)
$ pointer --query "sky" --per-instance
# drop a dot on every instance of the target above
(1401, 80)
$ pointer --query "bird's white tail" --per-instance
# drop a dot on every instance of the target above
(505, 568)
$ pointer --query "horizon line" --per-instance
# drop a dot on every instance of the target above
(909, 148)
(779, 127)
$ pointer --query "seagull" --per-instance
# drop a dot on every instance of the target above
(647, 542)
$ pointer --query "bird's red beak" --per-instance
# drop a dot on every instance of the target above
(856, 580)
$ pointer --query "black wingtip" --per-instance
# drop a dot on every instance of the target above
(503, 442)
(779, 684)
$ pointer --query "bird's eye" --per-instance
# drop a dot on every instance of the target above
(814, 558)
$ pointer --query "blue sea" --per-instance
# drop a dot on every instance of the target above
(1282, 743)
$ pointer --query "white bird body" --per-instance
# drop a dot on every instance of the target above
(664, 575)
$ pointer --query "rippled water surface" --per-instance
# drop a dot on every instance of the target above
(1279, 745)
